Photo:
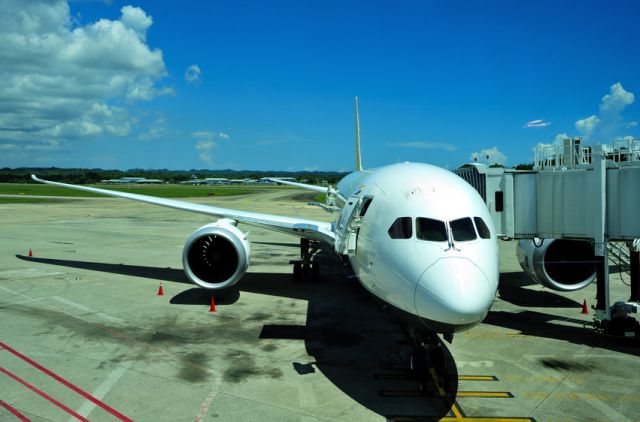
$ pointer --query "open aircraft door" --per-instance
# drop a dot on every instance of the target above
(349, 225)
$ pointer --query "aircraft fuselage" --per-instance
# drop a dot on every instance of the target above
(421, 239)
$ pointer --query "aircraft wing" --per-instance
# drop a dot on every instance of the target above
(300, 227)
(322, 189)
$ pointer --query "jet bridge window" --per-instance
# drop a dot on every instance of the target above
(483, 230)
(401, 228)
(462, 229)
(430, 229)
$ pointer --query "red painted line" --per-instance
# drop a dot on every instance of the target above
(63, 381)
(17, 414)
(43, 394)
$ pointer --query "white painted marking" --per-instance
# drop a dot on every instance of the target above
(103, 389)
(306, 395)
(88, 309)
(22, 302)
(475, 364)
(13, 292)
(27, 273)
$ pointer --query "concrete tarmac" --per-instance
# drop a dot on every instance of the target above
(84, 334)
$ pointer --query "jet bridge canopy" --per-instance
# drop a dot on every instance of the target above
(572, 192)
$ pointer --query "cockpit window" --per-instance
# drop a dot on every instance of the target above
(401, 228)
(430, 229)
(462, 229)
(483, 230)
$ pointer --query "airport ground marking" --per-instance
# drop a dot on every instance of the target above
(477, 378)
(88, 310)
(103, 389)
(494, 394)
(43, 394)
(67, 384)
(15, 412)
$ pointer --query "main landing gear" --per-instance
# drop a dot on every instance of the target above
(307, 268)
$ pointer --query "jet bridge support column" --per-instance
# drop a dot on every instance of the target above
(599, 196)
(634, 256)
(602, 288)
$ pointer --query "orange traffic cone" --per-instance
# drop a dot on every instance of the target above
(213, 305)
(160, 291)
(30, 253)
(585, 310)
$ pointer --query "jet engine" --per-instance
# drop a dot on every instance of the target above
(558, 264)
(217, 255)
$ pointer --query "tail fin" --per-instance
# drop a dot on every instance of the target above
(358, 156)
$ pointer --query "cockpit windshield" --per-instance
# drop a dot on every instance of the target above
(462, 229)
(430, 229)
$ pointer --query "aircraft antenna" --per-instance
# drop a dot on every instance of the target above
(358, 156)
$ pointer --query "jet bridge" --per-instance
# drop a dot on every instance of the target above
(576, 192)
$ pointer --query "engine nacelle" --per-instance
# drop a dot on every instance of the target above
(216, 256)
(558, 264)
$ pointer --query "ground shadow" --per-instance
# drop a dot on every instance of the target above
(539, 324)
(511, 289)
(352, 341)
(154, 273)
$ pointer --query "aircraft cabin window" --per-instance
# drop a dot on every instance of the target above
(462, 229)
(483, 230)
(430, 229)
(401, 228)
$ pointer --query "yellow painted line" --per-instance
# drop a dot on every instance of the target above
(443, 394)
(477, 378)
(456, 412)
(502, 394)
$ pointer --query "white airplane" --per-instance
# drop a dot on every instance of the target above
(418, 237)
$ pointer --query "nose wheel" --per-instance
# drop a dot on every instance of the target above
(307, 268)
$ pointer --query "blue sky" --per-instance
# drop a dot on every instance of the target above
(270, 85)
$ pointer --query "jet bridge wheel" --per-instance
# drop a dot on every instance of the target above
(306, 268)
(305, 271)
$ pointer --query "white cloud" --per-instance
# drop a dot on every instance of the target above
(205, 149)
(490, 155)
(587, 125)
(617, 99)
(63, 81)
(426, 145)
(205, 143)
(536, 123)
(192, 74)
(606, 125)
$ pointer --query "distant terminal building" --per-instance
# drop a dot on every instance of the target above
(216, 181)
(207, 181)
(132, 180)
(225, 181)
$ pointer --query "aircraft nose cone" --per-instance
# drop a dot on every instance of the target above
(453, 291)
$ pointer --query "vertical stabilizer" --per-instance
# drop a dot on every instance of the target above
(358, 156)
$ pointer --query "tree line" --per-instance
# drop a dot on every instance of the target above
(89, 176)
